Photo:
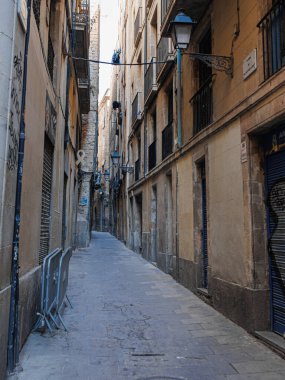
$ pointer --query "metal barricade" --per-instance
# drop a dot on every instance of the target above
(52, 276)
(55, 272)
(63, 282)
(42, 313)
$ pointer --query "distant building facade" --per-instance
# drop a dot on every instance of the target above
(102, 180)
(210, 210)
(89, 141)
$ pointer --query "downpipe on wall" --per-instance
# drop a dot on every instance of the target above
(13, 333)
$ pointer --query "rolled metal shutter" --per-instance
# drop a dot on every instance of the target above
(275, 172)
(46, 200)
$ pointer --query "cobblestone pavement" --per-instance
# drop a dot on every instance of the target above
(131, 321)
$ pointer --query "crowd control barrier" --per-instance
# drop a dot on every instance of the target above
(54, 284)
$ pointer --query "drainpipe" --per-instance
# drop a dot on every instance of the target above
(179, 100)
(13, 333)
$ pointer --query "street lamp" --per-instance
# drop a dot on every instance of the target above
(180, 30)
(115, 157)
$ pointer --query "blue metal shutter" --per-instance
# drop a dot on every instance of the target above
(204, 231)
(275, 171)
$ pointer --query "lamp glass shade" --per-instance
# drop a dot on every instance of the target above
(181, 35)
(115, 157)
(180, 30)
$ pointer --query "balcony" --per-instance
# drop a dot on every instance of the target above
(202, 103)
(150, 85)
(167, 140)
(137, 169)
(84, 94)
(81, 40)
(137, 110)
(152, 155)
(138, 27)
(272, 26)
(169, 9)
(164, 54)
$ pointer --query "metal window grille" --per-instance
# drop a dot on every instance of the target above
(37, 11)
(136, 108)
(272, 26)
(50, 58)
(152, 155)
(46, 200)
(165, 4)
(202, 103)
(150, 78)
(167, 141)
(137, 169)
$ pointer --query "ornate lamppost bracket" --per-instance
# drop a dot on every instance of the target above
(218, 62)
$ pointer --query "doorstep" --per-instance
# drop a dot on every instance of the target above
(275, 341)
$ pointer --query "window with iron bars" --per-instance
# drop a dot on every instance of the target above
(272, 26)
(37, 11)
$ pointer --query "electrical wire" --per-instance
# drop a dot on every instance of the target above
(121, 64)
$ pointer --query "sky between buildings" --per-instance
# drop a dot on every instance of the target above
(109, 35)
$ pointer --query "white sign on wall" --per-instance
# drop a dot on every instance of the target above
(23, 13)
(250, 64)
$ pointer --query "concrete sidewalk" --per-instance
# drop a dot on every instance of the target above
(131, 321)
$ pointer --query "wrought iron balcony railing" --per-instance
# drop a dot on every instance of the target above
(152, 155)
(37, 11)
(50, 57)
(202, 103)
(136, 109)
(138, 26)
(272, 26)
(137, 169)
(164, 54)
(167, 140)
(81, 18)
(150, 85)
(165, 4)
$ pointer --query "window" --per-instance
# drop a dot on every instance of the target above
(152, 147)
(273, 38)
(37, 11)
(202, 101)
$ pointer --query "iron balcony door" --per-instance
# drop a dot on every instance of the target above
(275, 182)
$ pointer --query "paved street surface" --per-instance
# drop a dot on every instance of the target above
(131, 321)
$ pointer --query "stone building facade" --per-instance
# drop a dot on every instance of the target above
(208, 210)
(43, 90)
(89, 141)
(101, 205)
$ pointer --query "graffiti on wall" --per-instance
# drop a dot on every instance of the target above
(15, 112)
(276, 203)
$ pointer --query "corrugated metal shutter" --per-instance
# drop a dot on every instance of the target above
(46, 200)
(275, 171)
(204, 230)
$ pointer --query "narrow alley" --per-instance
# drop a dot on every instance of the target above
(131, 321)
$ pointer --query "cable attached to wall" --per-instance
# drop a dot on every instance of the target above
(121, 64)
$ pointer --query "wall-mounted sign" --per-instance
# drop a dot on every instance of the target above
(83, 201)
(23, 13)
(250, 64)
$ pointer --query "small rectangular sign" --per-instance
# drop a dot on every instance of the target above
(249, 64)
